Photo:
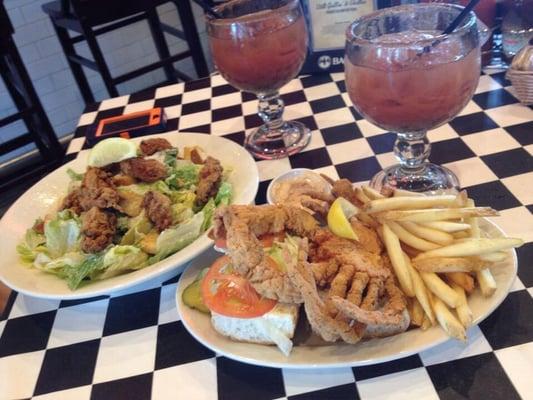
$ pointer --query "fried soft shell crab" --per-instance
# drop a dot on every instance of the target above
(346, 287)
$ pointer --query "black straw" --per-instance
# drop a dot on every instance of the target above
(207, 7)
(455, 23)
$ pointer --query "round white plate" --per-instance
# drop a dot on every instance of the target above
(338, 355)
(44, 196)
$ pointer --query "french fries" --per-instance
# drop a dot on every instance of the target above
(438, 252)
(486, 281)
(392, 243)
(361, 196)
(405, 193)
(410, 239)
(451, 325)
(436, 214)
(463, 311)
(409, 203)
(446, 226)
(472, 247)
(416, 313)
(372, 193)
(450, 264)
(495, 257)
(430, 234)
(462, 279)
(420, 290)
(440, 289)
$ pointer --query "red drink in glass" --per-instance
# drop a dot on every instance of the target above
(265, 61)
(404, 75)
(402, 91)
(258, 46)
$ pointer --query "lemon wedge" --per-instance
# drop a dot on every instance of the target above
(110, 151)
(339, 218)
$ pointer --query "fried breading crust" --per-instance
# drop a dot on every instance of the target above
(146, 170)
(72, 202)
(96, 190)
(152, 146)
(98, 228)
(344, 188)
(158, 209)
(210, 178)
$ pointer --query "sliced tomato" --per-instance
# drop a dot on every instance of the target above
(227, 293)
(266, 240)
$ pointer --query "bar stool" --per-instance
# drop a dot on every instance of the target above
(91, 18)
(29, 108)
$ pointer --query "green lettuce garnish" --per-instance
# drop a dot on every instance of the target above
(225, 193)
(74, 175)
(174, 239)
(62, 233)
(122, 258)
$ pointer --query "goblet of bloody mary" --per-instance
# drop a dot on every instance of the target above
(258, 46)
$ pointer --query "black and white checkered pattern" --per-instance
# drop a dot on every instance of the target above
(132, 345)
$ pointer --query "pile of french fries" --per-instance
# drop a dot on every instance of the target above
(437, 251)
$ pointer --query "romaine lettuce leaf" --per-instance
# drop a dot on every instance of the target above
(59, 265)
(122, 258)
(170, 157)
(74, 175)
(185, 197)
(138, 227)
(181, 212)
(225, 192)
(75, 274)
(174, 239)
(208, 211)
(184, 175)
(32, 244)
(62, 233)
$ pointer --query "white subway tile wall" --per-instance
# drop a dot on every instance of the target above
(125, 49)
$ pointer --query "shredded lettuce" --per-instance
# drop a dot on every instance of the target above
(62, 233)
(184, 175)
(59, 265)
(284, 252)
(181, 212)
(174, 239)
(122, 258)
(170, 157)
(74, 175)
(139, 226)
(225, 192)
(77, 273)
(208, 211)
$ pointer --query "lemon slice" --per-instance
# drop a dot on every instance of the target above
(110, 151)
(338, 218)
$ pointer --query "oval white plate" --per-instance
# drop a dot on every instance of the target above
(45, 195)
(338, 355)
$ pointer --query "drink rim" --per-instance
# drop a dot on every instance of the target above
(226, 21)
(466, 25)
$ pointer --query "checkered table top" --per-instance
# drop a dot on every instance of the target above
(132, 345)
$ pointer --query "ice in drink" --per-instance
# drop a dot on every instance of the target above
(260, 55)
(402, 89)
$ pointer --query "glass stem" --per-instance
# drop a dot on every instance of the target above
(412, 149)
(271, 108)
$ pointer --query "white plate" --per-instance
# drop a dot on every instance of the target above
(338, 355)
(44, 196)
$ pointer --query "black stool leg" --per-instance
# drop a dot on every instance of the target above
(90, 37)
(77, 70)
(191, 35)
(160, 43)
(25, 98)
